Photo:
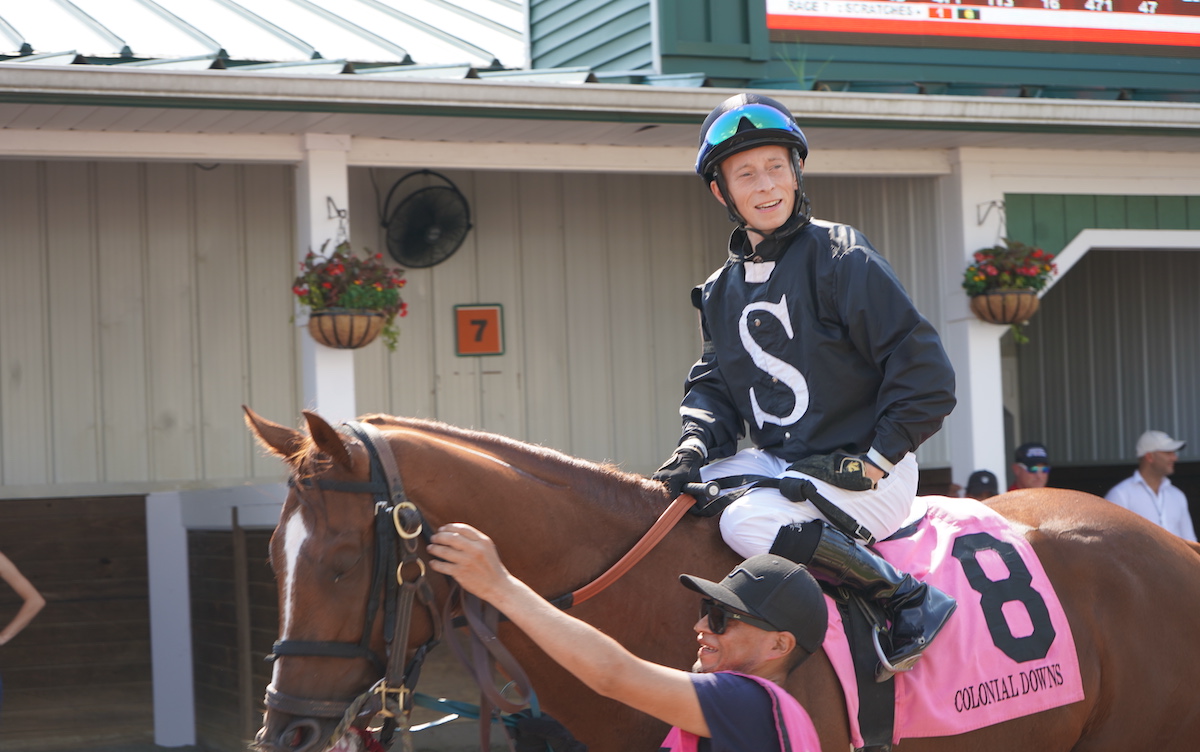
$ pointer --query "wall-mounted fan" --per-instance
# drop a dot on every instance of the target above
(428, 225)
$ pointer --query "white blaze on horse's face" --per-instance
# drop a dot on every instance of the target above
(295, 533)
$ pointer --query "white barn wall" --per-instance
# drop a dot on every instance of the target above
(145, 302)
(142, 305)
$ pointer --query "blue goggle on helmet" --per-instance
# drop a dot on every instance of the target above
(742, 122)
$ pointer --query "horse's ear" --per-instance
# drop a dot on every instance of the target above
(327, 439)
(281, 440)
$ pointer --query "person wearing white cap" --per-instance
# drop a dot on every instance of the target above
(1149, 492)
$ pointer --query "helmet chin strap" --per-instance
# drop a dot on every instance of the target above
(801, 208)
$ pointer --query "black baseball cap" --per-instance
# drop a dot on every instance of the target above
(1032, 453)
(776, 590)
(982, 481)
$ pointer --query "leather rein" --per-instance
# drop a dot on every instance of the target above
(398, 525)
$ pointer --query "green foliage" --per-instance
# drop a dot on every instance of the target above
(343, 281)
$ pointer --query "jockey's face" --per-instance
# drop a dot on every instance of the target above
(762, 185)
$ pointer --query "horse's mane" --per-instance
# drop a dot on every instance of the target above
(604, 482)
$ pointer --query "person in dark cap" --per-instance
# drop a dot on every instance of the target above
(982, 485)
(762, 620)
(1031, 466)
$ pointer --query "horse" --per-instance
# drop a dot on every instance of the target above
(1130, 590)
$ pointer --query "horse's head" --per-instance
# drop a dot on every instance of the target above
(345, 556)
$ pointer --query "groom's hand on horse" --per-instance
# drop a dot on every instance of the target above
(470, 557)
(683, 468)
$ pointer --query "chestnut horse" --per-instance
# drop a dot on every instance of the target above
(1130, 590)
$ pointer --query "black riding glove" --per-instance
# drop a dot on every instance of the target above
(537, 734)
(839, 469)
(683, 468)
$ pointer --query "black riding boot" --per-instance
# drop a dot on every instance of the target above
(917, 611)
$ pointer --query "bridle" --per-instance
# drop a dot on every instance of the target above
(398, 525)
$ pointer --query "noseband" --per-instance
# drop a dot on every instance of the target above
(398, 524)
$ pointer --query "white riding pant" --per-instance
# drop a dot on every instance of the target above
(749, 525)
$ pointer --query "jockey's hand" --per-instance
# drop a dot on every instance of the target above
(853, 472)
(683, 468)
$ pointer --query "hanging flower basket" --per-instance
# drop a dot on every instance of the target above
(1003, 283)
(1005, 306)
(345, 330)
(351, 300)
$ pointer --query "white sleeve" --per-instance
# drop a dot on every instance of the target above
(1118, 495)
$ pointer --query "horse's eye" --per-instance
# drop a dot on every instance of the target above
(344, 559)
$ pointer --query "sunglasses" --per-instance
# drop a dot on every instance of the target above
(1035, 468)
(759, 115)
(719, 615)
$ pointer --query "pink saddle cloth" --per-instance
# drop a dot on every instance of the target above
(1006, 652)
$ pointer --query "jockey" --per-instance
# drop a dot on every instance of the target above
(810, 340)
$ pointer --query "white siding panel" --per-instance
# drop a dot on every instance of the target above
(269, 232)
(675, 262)
(589, 345)
(372, 365)
(631, 306)
(401, 382)
(543, 244)
(502, 407)
(455, 281)
(25, 436)
(412, 377)
(121, 251)
(171, 338)
(71, 264)
(220, 286)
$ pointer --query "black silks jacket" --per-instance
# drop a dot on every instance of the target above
(816, 350)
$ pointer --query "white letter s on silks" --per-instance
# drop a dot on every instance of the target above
(784, 372)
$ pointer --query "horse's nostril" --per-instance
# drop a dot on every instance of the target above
(300, 736)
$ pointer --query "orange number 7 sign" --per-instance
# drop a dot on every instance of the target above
(479, 329)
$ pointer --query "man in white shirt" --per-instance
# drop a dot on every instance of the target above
(1149, 492)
